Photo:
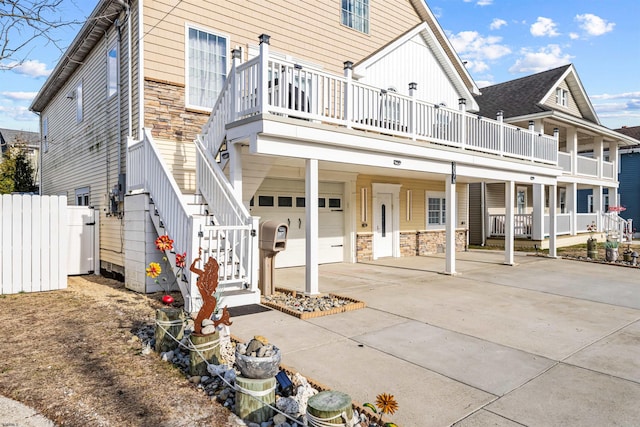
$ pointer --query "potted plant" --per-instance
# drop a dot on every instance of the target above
(611, 250)
(626, 255)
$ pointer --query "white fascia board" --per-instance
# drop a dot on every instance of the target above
(578, 122)
(571, 179)
(355, 140)
(279, 147)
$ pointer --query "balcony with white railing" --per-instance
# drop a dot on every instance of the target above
(266, 85)
(586, 166)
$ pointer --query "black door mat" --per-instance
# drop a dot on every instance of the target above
(247, 309)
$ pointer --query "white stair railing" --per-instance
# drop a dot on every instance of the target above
(617, 227)
(233, 239)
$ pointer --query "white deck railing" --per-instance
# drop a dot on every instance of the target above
(268, 85)
(564, 161)
(563, 224)
(587, 166)
(584, 220)
(521, 223)
(607, 170)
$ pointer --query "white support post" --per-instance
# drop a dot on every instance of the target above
(412, 120)
(348, 107)
(235, 169)
(255, 253)
(538, 212)
(263, 72)
(311, 228)
(235, 55)
(613, 157)
(597, 205)
(462, 105)
(598, 152)
(500, 118)
(450, 233)
(572, 205)
(572, 147)
(553, 229)
(532, 131)
(509, 202)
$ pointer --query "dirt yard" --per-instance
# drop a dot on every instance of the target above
(73, 356)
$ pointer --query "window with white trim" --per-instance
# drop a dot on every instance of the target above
(112, 70)
(82, 196)
(78, 96)
(436, 210)
(562, 97)
(206, 66)
(355, 14)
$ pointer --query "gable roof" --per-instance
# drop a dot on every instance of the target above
(527, 95)
(631, 131)
(91, 32)
(10, 137)
(444, 58)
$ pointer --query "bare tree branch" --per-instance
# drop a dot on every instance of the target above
(23, 22)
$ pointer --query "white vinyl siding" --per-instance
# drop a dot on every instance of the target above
(206, 64)
(355, 14)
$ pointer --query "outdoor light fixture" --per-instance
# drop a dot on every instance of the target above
(285, 383)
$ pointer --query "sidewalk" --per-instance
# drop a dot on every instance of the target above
(15, 414)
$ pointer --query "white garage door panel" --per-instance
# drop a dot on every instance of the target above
(330, 230)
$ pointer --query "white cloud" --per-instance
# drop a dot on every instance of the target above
(19, 96)
(544, 27)
(545, 58)
(19, 113)
(476, 49)
(625, 95)
(31, 68)
(484, 2)
(594, 25)
(574, 36)
(497, 23)
(484, 83)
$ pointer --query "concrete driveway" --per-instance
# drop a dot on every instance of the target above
(547, 342)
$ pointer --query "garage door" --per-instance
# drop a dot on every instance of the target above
(287, 205)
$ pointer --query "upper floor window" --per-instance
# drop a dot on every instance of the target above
(78, 96)
(112, 70)
(355, 14)
(206, 67)
(562, 97)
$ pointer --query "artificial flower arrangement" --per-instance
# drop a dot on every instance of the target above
(154, 270)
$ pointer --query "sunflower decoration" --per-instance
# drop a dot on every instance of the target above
(164, 243)
(154, 270)
(386, 404)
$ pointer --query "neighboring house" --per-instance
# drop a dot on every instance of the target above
(350, 125)
(29, 141)
(548, 102)
(629, 177)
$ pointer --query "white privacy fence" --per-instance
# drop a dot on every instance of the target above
(34, 249)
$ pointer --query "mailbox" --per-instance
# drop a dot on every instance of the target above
(273, 236)
(272, 239)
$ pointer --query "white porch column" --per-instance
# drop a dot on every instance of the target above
(572, 206)
(598, 152)
(235, 170)
(613, 157)
(509, 202)
(537, 233)
(572, 147)
(553, 197)
(597, 205)
(538, 125)
(450, 233)
(311, 228)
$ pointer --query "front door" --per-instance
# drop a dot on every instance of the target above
(383, 226)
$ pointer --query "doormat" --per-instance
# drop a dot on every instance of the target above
(307, 307)
(244, 310)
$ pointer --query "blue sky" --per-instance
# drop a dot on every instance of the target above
(500, 40)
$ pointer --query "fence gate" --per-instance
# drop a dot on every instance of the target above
(83, 227)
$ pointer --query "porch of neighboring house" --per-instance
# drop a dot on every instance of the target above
(273, 110)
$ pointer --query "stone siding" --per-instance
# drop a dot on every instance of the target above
(165, 112)
(412, 243)
(364, 247)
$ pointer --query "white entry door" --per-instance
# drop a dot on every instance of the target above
(383, 226)
(81, 226)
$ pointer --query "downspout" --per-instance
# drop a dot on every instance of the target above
(140, 70)
(129, 84)
(119, 111)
